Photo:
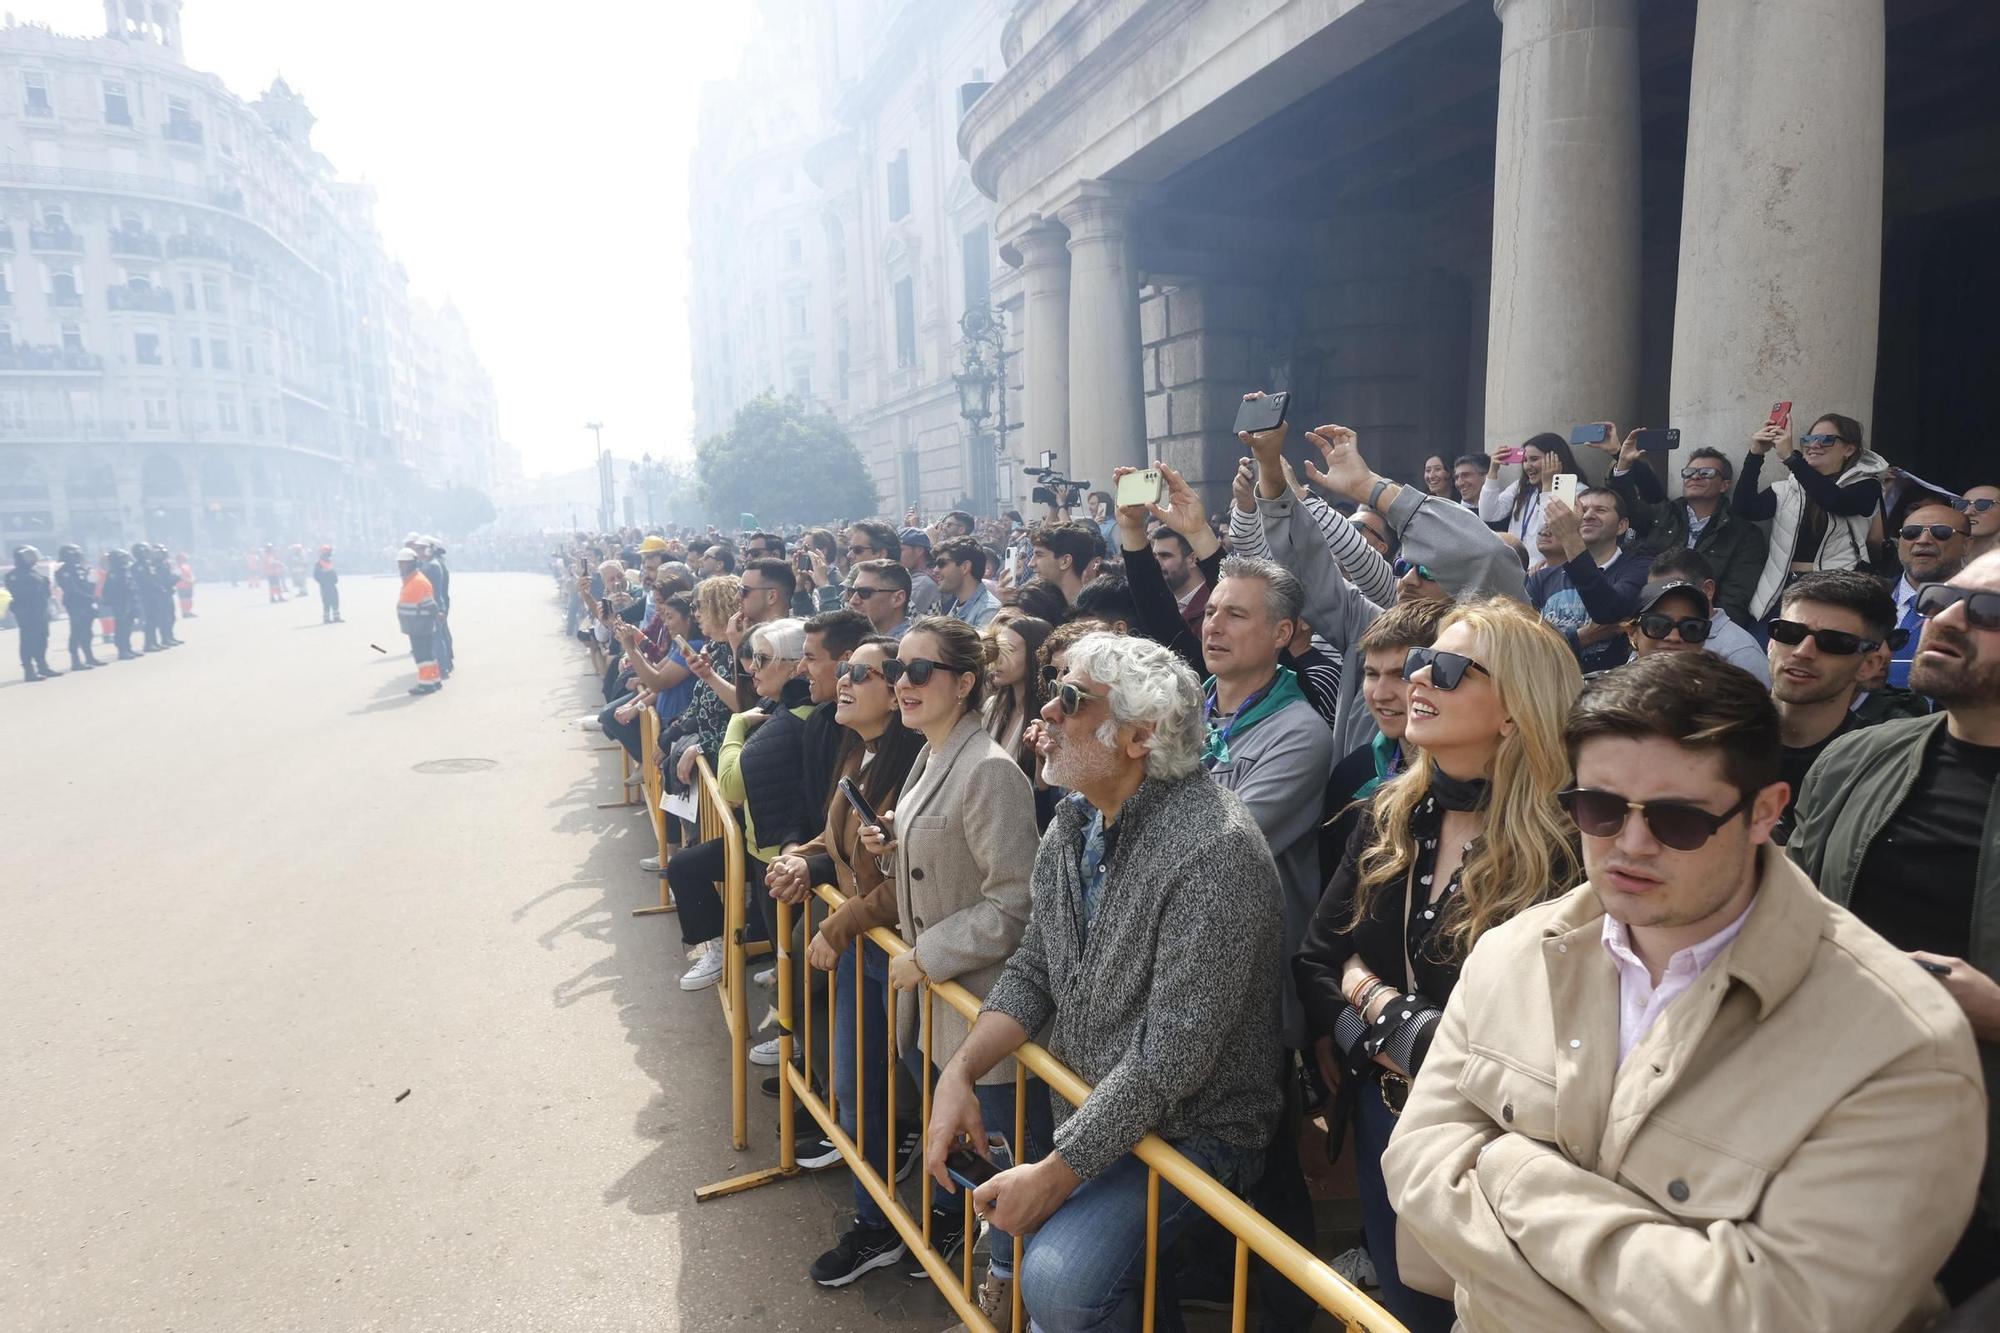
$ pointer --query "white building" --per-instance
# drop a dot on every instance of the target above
(205, 342)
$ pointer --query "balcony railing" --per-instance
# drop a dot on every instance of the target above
(194, 245)
(182, 131)
(149, 299)
(32, 357)
(135, 243)
(66, 300)
(55, 238)
(58, 431)
(39, 111)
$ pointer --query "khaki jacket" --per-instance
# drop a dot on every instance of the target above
(1794, 1146)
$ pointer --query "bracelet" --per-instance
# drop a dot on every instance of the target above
(1375, 496)
(1358, 985)
(1368, 996)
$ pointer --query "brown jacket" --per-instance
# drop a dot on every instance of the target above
(871, 895)
(1794, 1145)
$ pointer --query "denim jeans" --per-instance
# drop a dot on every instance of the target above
(996, 1109)
(1374, 1122)
(1085, 1270)
(873, 1024)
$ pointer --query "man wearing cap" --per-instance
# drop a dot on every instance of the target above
(430, 552)
(916, 557)
(33, 610)
(417, 612)
(652, 554)
(1677, 614)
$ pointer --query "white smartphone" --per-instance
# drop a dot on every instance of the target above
(1564, 486)
(1144, 487)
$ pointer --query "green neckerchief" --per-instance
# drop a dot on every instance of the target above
(1388, 762)
(1276, 695)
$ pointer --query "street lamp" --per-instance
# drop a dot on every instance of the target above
(649, 475)
(982, 395)
(596, 428)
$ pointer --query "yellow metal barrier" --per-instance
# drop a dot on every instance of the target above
(1253, 1233)
(653, 789)
(718, 820)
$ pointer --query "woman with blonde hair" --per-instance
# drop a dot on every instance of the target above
(1467, 837)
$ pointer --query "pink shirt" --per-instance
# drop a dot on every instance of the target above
(1640, 1002)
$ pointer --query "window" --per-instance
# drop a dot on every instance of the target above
(250, 356)
(899, 186)
(977, 254)
(117, 106)
(14, 409)
(257, 419)
(802, 383)
(194, 353)
(156, 413)
(146, 348)
(6, 338)
(225, 411)
(795, 250)
(62, 286)
(212, 296)
(35, 91)
(795, 310)
(138, 280)
(840, 362)
(218, 353)
(72, 337)
(187, 292)
(906, 323)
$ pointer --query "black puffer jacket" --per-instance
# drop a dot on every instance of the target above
(774, 781)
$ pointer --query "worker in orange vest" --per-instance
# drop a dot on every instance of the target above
(328, 579)
(274, 572)
(417, 610)
(184, 584)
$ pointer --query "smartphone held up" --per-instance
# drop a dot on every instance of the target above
(1143, 487)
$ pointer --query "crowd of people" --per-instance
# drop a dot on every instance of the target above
(128, 592)
(1613, 878)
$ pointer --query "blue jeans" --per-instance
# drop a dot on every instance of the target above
(996, 1109)
(1374, 1122)
(1085, 1270)
(873, 1024)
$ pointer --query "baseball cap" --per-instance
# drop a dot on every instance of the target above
(1655, 593)
(916, 537)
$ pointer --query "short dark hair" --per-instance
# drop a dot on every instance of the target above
(1108, 597)
(1863, 594)
(1717, 457)
(881, 537)
(779, 572)
(1480, 461)
(1081, 542)
(1101, 495)
(1411, 624)
(890, 572)
(1681, 562)
(723, 554)
(1042, 600)
(767, 538)
(1162, 533)
(963, 551)
(1617, 500)
(1696, 700)
(840, 632)
(963, 520)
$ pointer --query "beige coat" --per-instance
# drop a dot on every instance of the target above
(1795, 1145)
(965, 845)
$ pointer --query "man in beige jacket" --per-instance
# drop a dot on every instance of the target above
(1691, 1093)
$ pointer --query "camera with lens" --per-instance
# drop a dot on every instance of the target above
(1055, 488)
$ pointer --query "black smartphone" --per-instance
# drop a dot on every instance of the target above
(1659, 441)
(1595, 433)
(1935, 969)
(859, 802)
(968, 1169)
(1265, 413)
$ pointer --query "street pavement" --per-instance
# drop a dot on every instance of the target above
(301, 1037)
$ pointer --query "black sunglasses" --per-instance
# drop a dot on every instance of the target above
(1403, 567)
(1657, 625)
(1837, 642)
(1982, 609)
(1978, 506)
(858, 672)
(864, 594)
(1942, 532)
(1676, 824)
(1700, 473)
(918, 669)
(1447, 669)
(1070, 698)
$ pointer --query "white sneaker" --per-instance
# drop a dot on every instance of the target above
(649, 863)
(589, 722)
(765, 1052)
(768, 977)
(707, 969)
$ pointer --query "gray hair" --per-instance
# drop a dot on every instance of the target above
(784, 640)
(1284, 595)
(1147, 684)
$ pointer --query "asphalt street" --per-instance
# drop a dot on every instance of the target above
(240, 922)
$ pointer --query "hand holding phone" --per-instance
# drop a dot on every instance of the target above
(1512, 454)
(1658, 441)
(864, 811)
(1563, 486)
(1781, 415)
(1595, 433)
(1140, 487)
(967, 1169)
(1262, 412)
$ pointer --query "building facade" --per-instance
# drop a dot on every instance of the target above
(205, 342)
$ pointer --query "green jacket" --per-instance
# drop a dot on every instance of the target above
(1852, 791)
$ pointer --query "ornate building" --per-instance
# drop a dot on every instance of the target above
(203, 340)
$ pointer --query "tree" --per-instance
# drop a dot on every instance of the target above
(785, 465)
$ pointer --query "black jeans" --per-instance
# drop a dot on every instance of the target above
(693, 872)
(34, 644)
(625, 733)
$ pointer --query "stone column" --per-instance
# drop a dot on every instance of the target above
(1044, 252)
(1563, 332)
(1781, 218)
(1107, 403)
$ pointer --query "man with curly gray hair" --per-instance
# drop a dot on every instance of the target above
(1150, 966)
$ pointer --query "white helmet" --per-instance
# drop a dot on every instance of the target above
(406, 554)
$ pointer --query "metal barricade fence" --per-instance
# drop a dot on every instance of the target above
(718, 820)
(653, 789)
(1253, 1233)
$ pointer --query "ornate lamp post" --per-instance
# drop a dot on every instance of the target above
(982, 396)
(649, 477)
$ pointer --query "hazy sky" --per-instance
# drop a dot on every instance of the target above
(531, 162)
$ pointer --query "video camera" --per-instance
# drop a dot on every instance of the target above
(1055, 489)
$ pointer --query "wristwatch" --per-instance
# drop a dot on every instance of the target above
(1375, 495)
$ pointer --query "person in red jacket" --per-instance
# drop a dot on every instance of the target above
(184, 584)
(274, 572)
(417, 610)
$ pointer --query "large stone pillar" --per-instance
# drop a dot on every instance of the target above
(1563, 330)
(1107, 403)
(1781, 217)
(1044, 251)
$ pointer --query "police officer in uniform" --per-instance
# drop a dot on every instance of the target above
(30, 590)
(79, 597)
(121, 596)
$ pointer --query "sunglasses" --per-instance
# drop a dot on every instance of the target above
(863, 594)
(1942, 532)
(1837, 642)
(1819, 441)
(1982, 609)
(1700, 473)
(1447, 669)
(1978, 506)
(858, 672)
(758, 661)
(1403, 567)
(918, 669)
(1677, 824)
(1069, 698)
(1658, 626)
(857, 550)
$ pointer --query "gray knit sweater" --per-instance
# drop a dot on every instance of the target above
(1170, 1008)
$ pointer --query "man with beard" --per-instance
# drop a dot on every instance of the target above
(1892, 824)
(29, 588)
(79, 596)
(1831, 632)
